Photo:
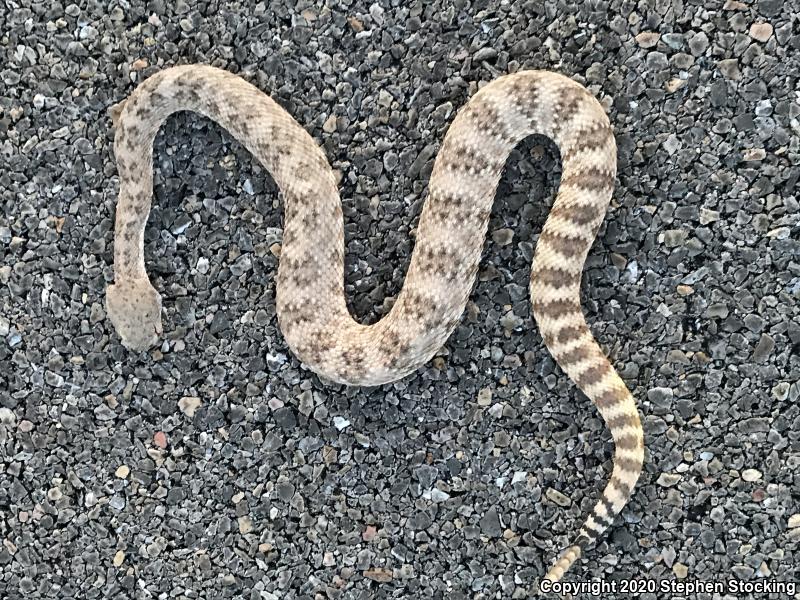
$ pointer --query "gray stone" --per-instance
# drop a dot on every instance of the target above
(490, 523)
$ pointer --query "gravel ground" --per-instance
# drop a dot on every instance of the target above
(216, 466)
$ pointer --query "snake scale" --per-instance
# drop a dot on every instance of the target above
(310, 297)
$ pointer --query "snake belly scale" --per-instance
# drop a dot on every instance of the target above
(310, 297)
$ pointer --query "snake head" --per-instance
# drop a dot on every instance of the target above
(134, 308)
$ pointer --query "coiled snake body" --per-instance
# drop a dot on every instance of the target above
(312, 313)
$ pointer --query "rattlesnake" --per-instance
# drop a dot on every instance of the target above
(311, 307)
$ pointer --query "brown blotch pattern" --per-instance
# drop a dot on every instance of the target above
(568, 247)
(312, 313)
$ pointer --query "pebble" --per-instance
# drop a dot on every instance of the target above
(7, 417)
(557, 497)
(369, 533)
(761, 32)
(122, 471)
(119, 558)
(660, 395)
(330, 124)
(780, 233)
(674, 84)
(485, 397)
(341, 423)
(648, 39)
(503, 236)
(245, 524)
(708, 216)
(698, 43)
(751, 475)
(437, 495)
(780, 391)
(188, 405)
(672, 144)
(729, 67)
(764, 348)
(675, 237)
(669, 556)
(284, 417)
(487, 53)
(490, 523)
(754, 154)
(668, 479)
(743, 571)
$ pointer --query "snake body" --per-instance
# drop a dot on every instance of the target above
(311, 308)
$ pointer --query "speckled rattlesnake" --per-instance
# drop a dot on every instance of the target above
(312, 313)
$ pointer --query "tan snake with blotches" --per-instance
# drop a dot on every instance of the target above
(311, 304)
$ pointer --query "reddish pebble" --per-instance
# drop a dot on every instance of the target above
(160, 439)
(369, 533)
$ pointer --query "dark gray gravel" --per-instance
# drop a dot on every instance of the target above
(217, 467)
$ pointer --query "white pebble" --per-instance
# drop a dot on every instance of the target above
(188, 405)
(437, 495)
(751, 475)
(484, 396)
(119, 557)
(7, 416)
(341, 423)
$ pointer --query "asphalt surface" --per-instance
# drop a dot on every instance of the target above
(216, 466)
